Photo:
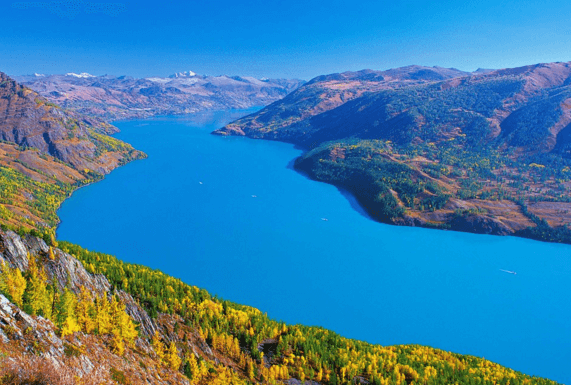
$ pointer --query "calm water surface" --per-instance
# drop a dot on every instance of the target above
(230, 215)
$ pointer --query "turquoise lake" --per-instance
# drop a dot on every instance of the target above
(230, 215)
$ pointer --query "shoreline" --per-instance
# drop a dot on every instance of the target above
(528, 233)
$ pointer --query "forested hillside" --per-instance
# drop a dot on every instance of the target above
(115, 322)
(483, 152)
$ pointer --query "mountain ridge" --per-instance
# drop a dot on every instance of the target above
(125, 97)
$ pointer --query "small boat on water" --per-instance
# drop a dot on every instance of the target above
(508, 271)
(324, 219)
(199, 182)
(254, 196)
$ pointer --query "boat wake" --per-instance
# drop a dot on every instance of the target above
(508, 271)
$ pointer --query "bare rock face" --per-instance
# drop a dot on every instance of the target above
(13, 251)
(147, 326)
(17, 325)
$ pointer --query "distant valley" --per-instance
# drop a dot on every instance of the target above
(486, 152)
(125, 97)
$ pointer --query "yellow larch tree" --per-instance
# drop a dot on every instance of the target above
(37, 298)
(13, 284)
(103, 316)
(123, 325)
(86, 311)
(172, 359)
(70, 326)
(158, 346)
(191, 369)
(117, 345)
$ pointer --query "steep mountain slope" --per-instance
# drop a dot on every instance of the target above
(185, 335)
(72, 340)
(126, 97)
(46, 152)
(484, 152)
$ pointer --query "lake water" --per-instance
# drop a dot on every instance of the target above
(231, 216)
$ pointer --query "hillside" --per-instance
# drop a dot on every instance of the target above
(486, 152)
(66, 324)
(45, 153)
(124, 97)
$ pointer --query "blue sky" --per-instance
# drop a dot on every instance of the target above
(277, 39)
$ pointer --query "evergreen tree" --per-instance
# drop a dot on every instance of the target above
(65, 316)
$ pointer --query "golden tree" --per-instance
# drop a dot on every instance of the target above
(158, 346)
(172, 359)
(13, 284)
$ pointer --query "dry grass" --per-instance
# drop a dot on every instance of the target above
(33, 370)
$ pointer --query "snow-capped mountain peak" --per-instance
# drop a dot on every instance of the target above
(185, 74)
(81, 75)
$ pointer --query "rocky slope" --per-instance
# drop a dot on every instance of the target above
(124, 97)
(483, 152)
(34, 351)
(46, 150)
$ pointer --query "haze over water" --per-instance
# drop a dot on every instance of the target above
(230, 215)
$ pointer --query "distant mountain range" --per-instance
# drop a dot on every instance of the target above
(124, 97)
(488, 151)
